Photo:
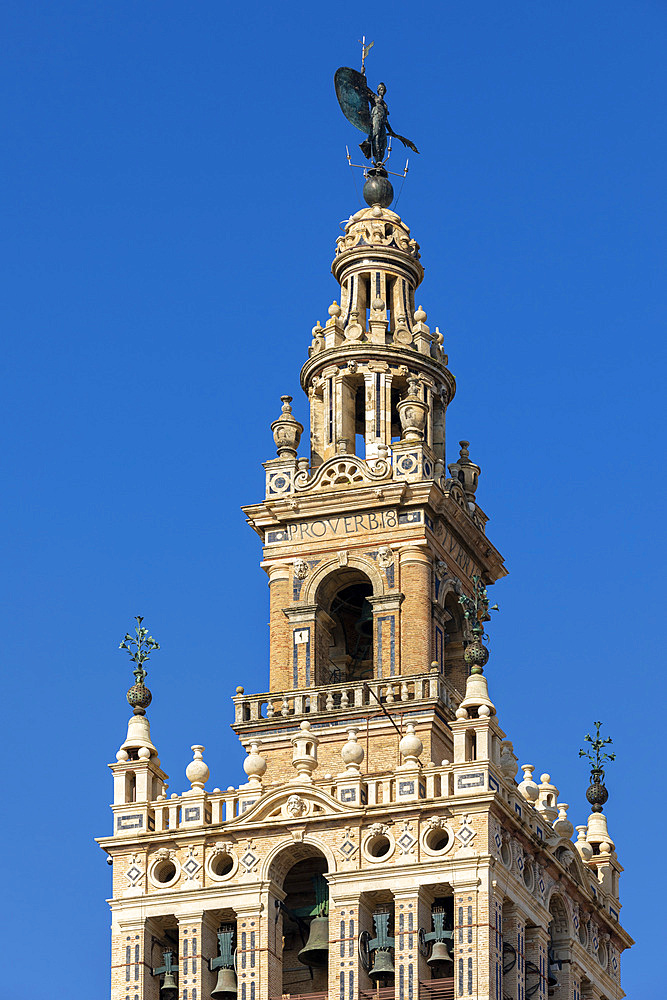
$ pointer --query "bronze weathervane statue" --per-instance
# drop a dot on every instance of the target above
(367, 110)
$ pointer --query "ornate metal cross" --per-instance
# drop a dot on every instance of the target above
(140, 646)
(601, 757)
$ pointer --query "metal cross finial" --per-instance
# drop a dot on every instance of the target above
(365, 49)
(139, 646)
(597, 761)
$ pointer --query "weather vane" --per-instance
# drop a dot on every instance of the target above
(367, 110)
(365, 49)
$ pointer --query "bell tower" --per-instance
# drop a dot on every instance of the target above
(379, 846)
(370, 543)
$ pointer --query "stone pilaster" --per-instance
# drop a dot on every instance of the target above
(271, 943)
(280, 632)
(411, 911)
(537, 958)
(343, 951)
(466, 953)
(133, 957)
(415, 583)
(197, 944)
(251, 932)
(513, 934)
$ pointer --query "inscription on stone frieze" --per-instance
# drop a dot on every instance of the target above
(343, 525)
(453, 549)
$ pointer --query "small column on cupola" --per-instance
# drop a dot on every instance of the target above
(475, 727)
(138, 778)
(603, 855)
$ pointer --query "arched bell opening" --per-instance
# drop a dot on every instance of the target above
(399, 389)
(305, 926)
(130, 787)
(455, 666)
(344, 595)
(162, 959)
(359, 448)
(559, 941)
(220, 973)
(376, 941)
(437, 942)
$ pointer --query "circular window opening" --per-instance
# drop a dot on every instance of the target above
(164, 871)
(602, 956)
(379, 846)
(583, 936)
(222, 865)
(528, 877)
(506, 855)
(437, 840)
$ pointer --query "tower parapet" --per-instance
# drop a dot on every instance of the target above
(381, 844)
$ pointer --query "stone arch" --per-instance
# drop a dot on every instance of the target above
(315, 589)
(449, 614)
(287, 852)
(343, 591)
(569, 857)
(561, 925)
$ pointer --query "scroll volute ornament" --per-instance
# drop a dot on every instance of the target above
(286, 431)
(412, 412)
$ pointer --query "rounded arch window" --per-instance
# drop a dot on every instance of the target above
(528, 876)
(164, 871)
(506, 853)
(437, 840)
(378, 846)
(221, 864)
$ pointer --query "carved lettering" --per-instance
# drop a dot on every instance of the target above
(337, 527)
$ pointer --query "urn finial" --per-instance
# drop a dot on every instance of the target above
(286, 430)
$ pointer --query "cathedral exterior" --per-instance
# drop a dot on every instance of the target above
(382, 845)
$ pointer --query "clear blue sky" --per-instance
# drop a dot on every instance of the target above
(174, 176)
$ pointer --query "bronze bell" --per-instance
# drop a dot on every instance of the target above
(225, 986)
(315, 952)
(364, 625)
(168, 990)
(440, 953)
(383, 965)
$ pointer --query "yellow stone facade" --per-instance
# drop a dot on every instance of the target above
(378, 774)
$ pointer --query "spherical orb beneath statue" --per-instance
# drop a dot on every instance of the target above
(476, 654)
(378, 189)
(597, 795)
(139, 696)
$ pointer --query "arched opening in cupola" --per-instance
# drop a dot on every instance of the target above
(351, 653)
(346, 625)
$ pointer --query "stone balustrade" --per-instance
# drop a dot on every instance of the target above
(347, 695)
